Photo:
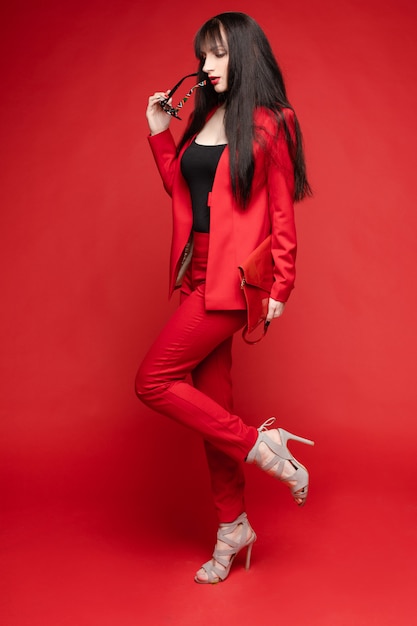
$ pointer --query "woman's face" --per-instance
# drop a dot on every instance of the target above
(215, 63)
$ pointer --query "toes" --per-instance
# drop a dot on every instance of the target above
(202, 575)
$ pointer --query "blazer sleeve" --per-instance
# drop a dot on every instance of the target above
(164, 151)
(280, 185)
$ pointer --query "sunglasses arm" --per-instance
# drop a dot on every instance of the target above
(175, 87)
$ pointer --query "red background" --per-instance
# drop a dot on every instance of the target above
(106, 506)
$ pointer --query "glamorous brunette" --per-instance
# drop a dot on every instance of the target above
(233, 179)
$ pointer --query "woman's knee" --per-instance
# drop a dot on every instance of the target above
(144, 383)
(150, 382)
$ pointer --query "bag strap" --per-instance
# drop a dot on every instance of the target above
(249, 341)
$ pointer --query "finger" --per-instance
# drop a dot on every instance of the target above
(157, 97)
(271, 313)
(279, 309)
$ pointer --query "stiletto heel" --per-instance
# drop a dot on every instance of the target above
(226, 556)
(249, 554)
(281, 455)
(285, 436)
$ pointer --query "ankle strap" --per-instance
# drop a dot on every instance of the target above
(242, 519)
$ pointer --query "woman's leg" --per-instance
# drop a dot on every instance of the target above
(188, 338)
(213, 378)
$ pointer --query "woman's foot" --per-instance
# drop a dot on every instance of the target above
(266, 456)
(231, 538)
(271, 454)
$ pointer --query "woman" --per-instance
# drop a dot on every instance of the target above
(233, 180)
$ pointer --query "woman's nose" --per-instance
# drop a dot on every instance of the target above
(207, 67)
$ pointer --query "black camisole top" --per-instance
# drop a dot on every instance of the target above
(198, 166)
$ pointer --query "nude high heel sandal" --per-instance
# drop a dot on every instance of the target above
(281, 455)
(225, 557)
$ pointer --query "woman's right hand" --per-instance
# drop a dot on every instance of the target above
(158, 120)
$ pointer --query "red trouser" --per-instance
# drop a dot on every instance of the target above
(199, 342)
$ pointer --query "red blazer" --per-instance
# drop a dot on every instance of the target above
(236, 232)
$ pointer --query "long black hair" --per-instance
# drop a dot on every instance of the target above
(254, 80)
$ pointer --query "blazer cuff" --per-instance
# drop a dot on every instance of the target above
(280, 292)
(164, 139)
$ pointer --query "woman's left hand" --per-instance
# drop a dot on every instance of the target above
(275, 309)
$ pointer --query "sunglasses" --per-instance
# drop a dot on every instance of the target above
(174, 110)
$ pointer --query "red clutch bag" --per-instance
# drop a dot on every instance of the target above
(257, 278)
